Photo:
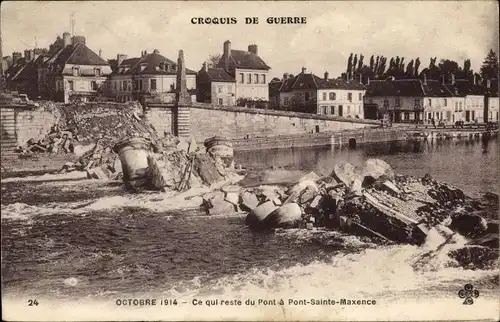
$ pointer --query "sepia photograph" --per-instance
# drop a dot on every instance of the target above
(249, 160)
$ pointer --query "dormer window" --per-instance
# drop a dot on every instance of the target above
(97, 72)
(76, 71)
(143, 67)
(167, 66)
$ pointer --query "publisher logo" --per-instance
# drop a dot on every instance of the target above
(468, 293)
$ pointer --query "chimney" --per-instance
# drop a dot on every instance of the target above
(425, 79)
(488, 83)
(27, 55)
(100, 53)
(78, 39)
(452, 78)
(443, 79)
(475, 79)
(361, 78)
(326, 76)
(252, 49)
(15, 57)
(226, 54)
(120, 58)
(66, 39)
(205, 68)
(303, 70)
(156, 51)
(368, 80)
(285, 76)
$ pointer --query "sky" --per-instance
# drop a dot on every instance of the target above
(444, 29)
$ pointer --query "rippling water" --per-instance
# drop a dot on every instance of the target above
(89, 239)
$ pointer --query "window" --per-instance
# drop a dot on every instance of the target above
(249, 79)
(348, 110)
(136, 84)
(360, 96)
(140, 84)
(242, 78)
(397, 102)
(473, 113)
(332, 110)
(263, 78)
(307, 97)
(256, 80)
(286, 101)
(71, 86)
(116, 85)
(221, 101)
(98, 72)
(76, 71)
(324, 96)
(93, 85)
(407, 115)
(386, 103)
(456, 106)
(460, 107)
(349, 97)
(153, 84)
(429, 102)
(220, 89)
(445, 101)
(370, 101)
(325, 110)
(417, 103)
(333, 96)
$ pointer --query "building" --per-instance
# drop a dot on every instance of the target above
(309, 93)
(412, 101)
(151, 75)
(215, 86)
(469, 103)
(249, 71)
(491, 99)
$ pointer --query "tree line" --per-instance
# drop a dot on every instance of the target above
(378, 68)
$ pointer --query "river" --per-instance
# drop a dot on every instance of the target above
(91, 241)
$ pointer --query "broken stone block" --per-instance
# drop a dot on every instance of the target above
(376, 168)
(231, 188)
(288, 214)
(311, 176)
(469, 225)
(97, 173)
(207, 170)
(391, 188)
(183, 145)
(315, 202)
(248, 201)
(356, 187)
(308, 194)
(221, 207)
(263, 210)
(117, 166)
(232, 197)
(345, 172)
(192, 146)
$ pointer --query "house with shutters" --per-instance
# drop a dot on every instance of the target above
(150, 75)
(309, 93)
(215, 86)
(411, 101)
(74, 72)
(248, 70)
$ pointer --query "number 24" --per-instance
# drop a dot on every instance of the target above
(32, 303)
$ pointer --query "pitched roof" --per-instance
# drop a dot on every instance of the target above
(463, 87)
(219, 75)
(125, 65)
(310, 81)
(244, 60)
(408, 87)
(150, 64)
(78, 54)
(28, 72)
(493, 90)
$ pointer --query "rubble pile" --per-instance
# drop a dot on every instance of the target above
(89, 131)
(371, 201)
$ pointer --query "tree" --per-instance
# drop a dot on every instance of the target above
(489, 69)
(213, 60)
(372, 63)
(417, 65)
(349, 66)
(448, 67)
(354, 65)
(410, 71)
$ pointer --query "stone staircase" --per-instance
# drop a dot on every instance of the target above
(8, 138)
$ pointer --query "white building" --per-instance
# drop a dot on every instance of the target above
(151, 75)
(248, 70)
